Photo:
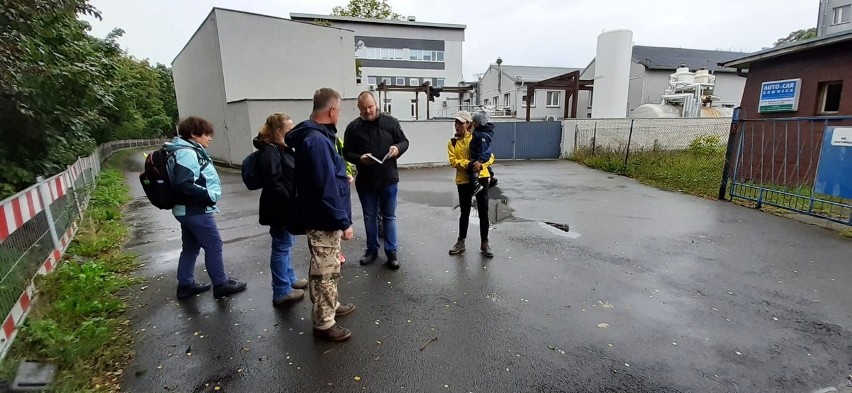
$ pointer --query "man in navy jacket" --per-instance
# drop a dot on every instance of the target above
(324, 208)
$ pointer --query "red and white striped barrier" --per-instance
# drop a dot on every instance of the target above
(22, 306)
(19, 209)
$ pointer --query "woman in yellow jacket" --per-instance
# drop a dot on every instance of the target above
(458, 150)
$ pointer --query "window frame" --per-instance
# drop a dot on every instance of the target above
(841, 15)
(416, 81)
(558, 95)
(524, 101)
(397, 79)
(823, 97)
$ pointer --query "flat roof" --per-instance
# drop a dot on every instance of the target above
(331, 18)
(796, 47)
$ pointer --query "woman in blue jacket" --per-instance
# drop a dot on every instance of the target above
(196, 184)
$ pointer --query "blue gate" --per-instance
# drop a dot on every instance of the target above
(527, 140)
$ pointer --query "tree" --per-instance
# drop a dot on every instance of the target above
(375, 9)
(798, 35)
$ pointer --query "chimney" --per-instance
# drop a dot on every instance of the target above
(411, 18)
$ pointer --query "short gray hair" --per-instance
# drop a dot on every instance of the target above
(324, 98)
(481, 117)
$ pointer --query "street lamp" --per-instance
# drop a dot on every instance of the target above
(499, 76)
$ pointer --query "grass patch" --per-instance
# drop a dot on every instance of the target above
(696, 171)
(847, 233)
(78, 322)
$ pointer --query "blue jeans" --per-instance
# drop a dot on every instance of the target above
(372, 201)
(197, 232)
(280, 264)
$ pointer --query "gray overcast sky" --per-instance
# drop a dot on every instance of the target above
(556, 33)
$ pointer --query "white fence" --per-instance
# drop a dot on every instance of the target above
(640, 134)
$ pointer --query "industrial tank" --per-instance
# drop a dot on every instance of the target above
(612, 74)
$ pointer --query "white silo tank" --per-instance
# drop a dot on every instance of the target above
(612, 74)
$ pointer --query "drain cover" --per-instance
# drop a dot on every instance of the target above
(33, 376)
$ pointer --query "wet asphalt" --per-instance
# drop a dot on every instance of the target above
(647, 291)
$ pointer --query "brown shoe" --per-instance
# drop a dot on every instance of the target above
(294, 295)
(344, 309)
(334, 333)
(458, 248)
(300, 284)
(486, 250)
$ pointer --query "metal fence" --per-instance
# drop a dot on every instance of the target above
(520, 140)
(776, 162)
(36, 226)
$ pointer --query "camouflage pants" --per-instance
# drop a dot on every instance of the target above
(323, 276)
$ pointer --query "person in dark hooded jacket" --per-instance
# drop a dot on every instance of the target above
(480, 146)
(275, 164)
(324, 209)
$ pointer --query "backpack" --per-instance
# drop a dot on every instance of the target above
(251, 177)
(155, 178)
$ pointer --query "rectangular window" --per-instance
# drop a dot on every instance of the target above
(413, 108)
(496, 100)
(371, 80)
(439, 82)
(386, 80)
(387, 105)
(842, 14)
(385, 54)
(553, 98)
(829, 96)
(440, 56)
(414, 54)
(397, 54)
(427, 55)
(524, 100)
(506, 99)
(400, 81)
(372, 53)
(413, 81)
(487, 102)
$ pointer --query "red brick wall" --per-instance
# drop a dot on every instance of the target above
(829, 63)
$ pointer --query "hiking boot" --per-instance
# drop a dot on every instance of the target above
(294, 295)
(458, 248)
(392, 262)
(344, 309)
(300, 284)
(492, 183)
(334, 333)
(485, 249)
(192, 290)
(368, 258)
(229, 288)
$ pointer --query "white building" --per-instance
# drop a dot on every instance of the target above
(240, 67)
(404, 53)
(650, 69)
(834, 16)
(502, 90)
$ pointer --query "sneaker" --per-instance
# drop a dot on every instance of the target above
(300, 284)
(294, 295)
(344, 309)
(485, 249)
(341, 258)
(392, 262)
(458, 248)
(368, 258)
(229, 288)
(334, 333)
(477, 188)
(492, 183)
(192, 290)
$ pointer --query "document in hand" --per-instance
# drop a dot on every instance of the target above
(382, 161)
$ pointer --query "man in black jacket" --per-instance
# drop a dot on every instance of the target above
(373, 142)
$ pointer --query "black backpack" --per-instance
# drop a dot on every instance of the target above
(155, 178)
(251, 178)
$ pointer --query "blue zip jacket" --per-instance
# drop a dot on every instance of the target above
(480, 144)
(320, 176)
(201, 188)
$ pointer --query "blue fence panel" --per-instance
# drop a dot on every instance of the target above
(527, 140)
